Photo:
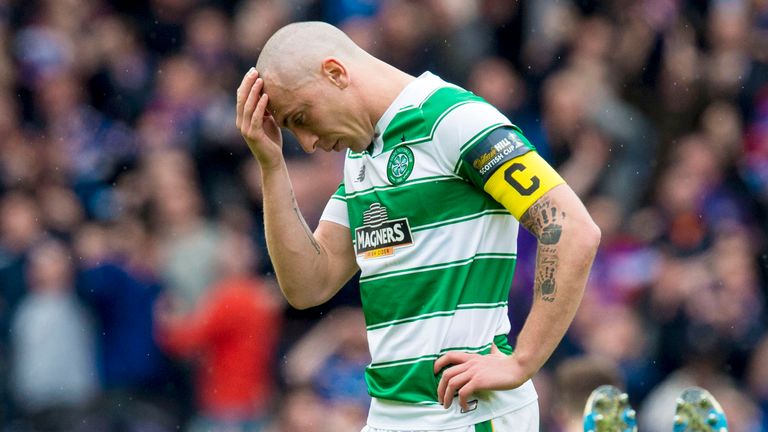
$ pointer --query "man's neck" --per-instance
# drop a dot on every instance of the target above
(387, 83)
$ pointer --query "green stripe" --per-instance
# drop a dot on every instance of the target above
(416, 382)
(411, 295)
(438, 314)
(416, 181)
(470, 349)
(424, 203)
(418, 125)
(354, 155)
(461, 219)
(340, 193)
(447, 264)
(485, 426)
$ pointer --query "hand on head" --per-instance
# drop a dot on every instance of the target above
(256, 124)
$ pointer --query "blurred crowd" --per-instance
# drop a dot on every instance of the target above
(135, 289)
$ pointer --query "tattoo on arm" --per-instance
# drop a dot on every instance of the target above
(307, 231)
(544, 220)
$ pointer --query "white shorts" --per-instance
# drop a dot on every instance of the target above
(526, 419)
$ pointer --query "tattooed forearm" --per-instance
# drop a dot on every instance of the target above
(544, 284)
(307, 231)
(544, 220)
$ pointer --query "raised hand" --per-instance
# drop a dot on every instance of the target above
(256, 124)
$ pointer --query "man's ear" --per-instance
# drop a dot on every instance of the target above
(335, 71)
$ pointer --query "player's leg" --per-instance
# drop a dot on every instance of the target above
(608, 410)
(698, 411)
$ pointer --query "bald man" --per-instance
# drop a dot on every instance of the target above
(435, 181)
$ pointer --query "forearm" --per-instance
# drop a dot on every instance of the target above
(567, 245)
(297, 257)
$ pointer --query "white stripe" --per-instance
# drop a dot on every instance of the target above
(466, 328)
(336, 211)
(449, 243)
(429, 357)
(467, 217)
(438, 266)
(461, 306)
(387, 415)
(461, 124)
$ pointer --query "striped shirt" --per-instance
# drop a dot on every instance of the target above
(436, 253)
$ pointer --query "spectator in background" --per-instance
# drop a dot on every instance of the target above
(231, 334)
(575, 379)
(120, 292)
(497, 82)
(187, 238)
(53, 377)
(615, 333)
(331, 359)
(702, 369)
(20, 228)
(301, 409)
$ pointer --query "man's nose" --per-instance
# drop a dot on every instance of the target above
(308, 141)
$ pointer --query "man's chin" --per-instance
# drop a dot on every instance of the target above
(360, 147)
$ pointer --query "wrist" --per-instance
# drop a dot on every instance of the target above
(271, 166)
(527, 362)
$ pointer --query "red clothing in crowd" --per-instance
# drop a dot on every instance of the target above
(234, 330)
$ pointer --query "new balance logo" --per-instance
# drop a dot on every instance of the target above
(361, 175)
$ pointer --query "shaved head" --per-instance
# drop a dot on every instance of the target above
(322, 87)
(294, 54)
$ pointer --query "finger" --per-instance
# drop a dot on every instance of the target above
(257, 119)
(447, 375)
(454, 384)
(242, 93)
(453, 357)
(495, 349)
(250, 104)
(465, 392)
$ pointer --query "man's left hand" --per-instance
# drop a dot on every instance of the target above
(469, 373)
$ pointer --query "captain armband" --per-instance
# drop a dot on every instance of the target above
(506, 167)
(520, 182)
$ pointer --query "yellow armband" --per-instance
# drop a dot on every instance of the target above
(521, 181)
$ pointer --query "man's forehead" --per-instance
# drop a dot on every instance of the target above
(283, 102)
(278, 99)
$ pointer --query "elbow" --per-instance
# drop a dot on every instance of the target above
(591, 235)
(300, 299)
(300, 303)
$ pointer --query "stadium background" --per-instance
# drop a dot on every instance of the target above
(135, 290)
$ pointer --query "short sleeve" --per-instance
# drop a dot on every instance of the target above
(486, 154)
(336, 209)
(470, 130)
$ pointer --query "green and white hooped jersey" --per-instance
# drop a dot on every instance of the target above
(437, 254)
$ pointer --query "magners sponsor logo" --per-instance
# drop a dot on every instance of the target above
(379, 236)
